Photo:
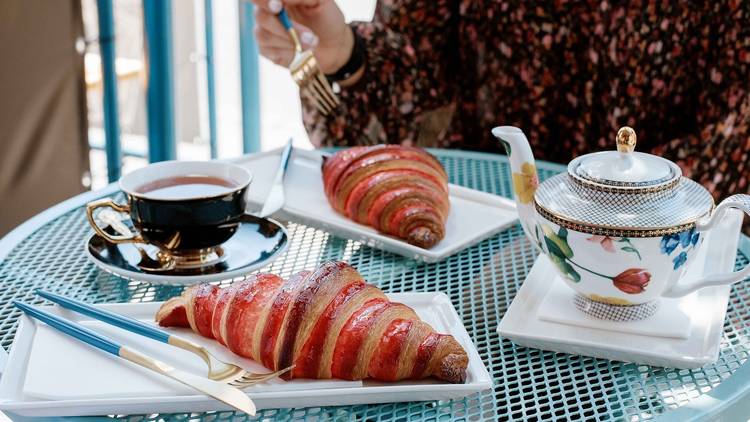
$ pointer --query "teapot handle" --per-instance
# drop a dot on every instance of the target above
(741, 202)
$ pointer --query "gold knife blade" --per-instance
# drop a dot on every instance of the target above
(222, 392)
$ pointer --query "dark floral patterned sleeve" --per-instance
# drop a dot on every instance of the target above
(714, 148)
(719, 156)
(408, 47)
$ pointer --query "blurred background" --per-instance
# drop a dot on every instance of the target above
(212, 95)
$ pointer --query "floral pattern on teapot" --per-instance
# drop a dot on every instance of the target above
(525, 182)
(685, 240)
(628, 265)
(631, 281)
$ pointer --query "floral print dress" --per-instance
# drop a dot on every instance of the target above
(442, 73)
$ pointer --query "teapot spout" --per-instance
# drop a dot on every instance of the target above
(525, 178)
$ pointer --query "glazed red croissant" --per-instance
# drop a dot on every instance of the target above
(401, 191)
(329, 323)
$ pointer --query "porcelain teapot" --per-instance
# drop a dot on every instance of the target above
(621, 227)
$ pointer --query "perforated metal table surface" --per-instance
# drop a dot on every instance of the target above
(481, 281)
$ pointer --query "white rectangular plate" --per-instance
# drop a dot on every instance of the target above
(522, 324)
(50, 374)
(474, 215)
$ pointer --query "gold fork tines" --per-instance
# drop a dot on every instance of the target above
(306, 73)
(251, 378)
(314, 84)
(225, 372)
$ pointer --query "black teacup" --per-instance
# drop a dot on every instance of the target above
(186, 208)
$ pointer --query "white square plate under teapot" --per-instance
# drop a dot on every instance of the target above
(525, 324)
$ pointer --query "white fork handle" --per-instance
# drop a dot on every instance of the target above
(739, 201)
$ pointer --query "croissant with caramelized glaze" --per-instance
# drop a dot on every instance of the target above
(328, 323)
(400, 191)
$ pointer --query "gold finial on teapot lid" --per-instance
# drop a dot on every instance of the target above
(626, 139)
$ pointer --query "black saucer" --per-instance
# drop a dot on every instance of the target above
(257, 242)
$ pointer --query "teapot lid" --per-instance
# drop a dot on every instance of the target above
(623, 193)
(624, 170)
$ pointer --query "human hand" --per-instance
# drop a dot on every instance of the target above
(320, 24)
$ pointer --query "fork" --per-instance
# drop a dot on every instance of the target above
(218, 370)
(307, 74)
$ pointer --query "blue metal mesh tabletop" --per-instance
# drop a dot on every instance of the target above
(481, 281)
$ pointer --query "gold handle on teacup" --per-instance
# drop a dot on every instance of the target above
(108, 203)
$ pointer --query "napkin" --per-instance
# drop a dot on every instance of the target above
(61, 367)
(672, 318)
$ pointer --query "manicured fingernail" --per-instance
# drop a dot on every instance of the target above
(275, 6)
(309, 38)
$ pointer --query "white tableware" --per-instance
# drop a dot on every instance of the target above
(474, 215)
(621, 227)
(49, 374)
(526, 324)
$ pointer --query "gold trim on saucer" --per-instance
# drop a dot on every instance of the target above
(610, 231)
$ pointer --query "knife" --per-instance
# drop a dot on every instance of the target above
(275, 198)
(222, 392)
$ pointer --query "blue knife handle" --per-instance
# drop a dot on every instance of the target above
(130, 324)
(284, 19)
(71, 328)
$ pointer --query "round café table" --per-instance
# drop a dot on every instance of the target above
(529, 384)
